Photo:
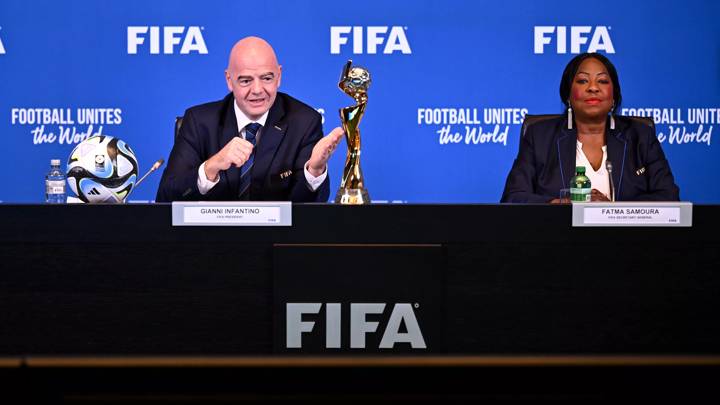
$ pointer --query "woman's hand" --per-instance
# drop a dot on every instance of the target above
(598, 196)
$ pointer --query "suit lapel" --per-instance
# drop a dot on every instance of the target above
(272, 135)
(566, 148)
(227, 133)
(616, 150)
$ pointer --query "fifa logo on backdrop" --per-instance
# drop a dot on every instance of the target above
(369, 39)
(598, 37)
(190, 40)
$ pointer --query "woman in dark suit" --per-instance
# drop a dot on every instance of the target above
(590, 135)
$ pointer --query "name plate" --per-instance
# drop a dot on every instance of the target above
(632, 214)
(232, 213)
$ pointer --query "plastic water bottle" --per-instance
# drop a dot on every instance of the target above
(55, 184)
(580, 188)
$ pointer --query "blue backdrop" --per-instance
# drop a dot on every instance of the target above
(438, 68)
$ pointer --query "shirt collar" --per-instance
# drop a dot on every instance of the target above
(243, 120)
(580, 145)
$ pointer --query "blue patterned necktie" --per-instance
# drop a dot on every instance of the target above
(251, 130)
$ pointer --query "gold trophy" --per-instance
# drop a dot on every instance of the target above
(354, 82)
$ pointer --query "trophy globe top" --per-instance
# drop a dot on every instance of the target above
(355, 82)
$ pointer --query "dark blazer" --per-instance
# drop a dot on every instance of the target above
(290, 132)
(546, 163)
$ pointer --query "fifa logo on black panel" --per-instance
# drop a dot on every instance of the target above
(360, 326)
(190, 40)
(579, 36)
(368, 40)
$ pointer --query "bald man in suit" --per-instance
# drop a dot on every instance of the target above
(255, 144)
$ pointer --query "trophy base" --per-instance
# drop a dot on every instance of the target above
(352, 196)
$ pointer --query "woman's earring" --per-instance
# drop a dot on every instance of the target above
(612, 118)
(569, 117)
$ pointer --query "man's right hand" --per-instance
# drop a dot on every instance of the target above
(235, 153)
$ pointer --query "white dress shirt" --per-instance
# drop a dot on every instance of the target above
(599, 180)
(205, 185)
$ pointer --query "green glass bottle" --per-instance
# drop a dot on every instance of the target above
(580, 186)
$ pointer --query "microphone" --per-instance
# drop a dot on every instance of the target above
(608, 166)
(154, 167)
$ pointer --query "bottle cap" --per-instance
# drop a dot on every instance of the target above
(580, 169)
(55, 162)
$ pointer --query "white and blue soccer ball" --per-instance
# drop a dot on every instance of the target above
(102, 169)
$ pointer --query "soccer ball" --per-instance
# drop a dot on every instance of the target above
(102, 169)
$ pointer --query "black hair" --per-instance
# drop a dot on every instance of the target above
(571, 70)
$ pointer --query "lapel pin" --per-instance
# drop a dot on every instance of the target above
(640, 171)
(285, 174)
(278, 128)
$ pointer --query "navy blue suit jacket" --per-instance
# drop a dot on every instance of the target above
(290, 132)
(546, 163)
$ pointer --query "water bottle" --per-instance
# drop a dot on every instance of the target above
(55, 184)
(580, 186)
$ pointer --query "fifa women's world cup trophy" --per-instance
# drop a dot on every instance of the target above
(354, 82)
